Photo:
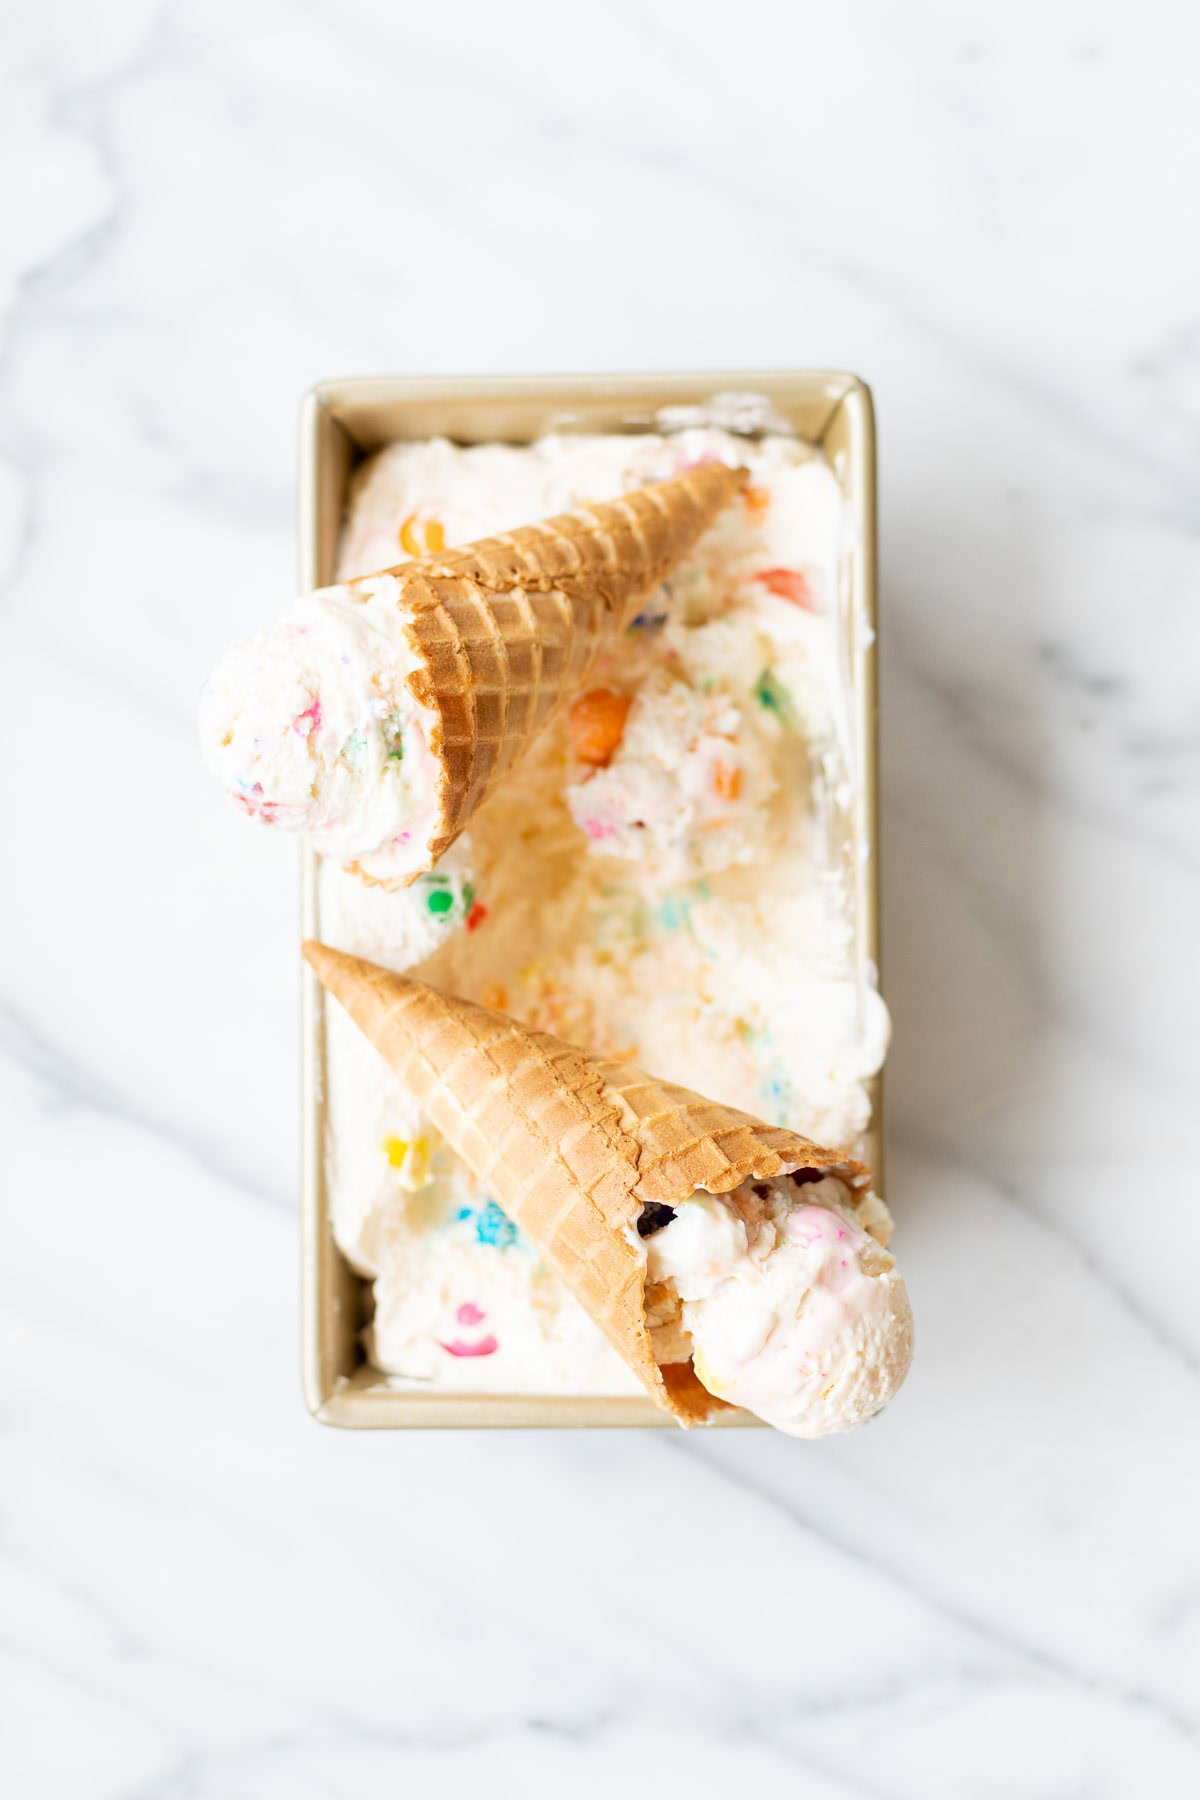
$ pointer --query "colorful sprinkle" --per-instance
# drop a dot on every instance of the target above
(495, 995)
(727, 781)
(492, 1226)
(757, 501)
(440, 901)
(254, 802)
(412, 1159)
(675, 913)
(485, 1346)
(470, 1314)
(791, 585)
(770, 694)
(597, 725)
(647, 621)
(477, 915)
(422, 536)
(310, 719)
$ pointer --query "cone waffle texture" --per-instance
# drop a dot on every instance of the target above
(571, 1146)
(506, 629)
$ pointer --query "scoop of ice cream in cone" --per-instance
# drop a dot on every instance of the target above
(379, 714)
(790, 1307)
(729, 1262)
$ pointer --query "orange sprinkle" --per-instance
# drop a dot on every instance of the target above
(727, 781)
(757, 501)
(789, 584)
(597, 724)
(422, 537)
(495, 995)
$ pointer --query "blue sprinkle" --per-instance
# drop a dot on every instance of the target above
(491, 1225)
(776, 1091)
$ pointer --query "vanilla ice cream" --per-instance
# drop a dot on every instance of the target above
(662, 879)
(687, 789)
(782, 1300)
(311, 726)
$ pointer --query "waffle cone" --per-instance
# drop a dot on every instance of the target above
(570, 1145)
(506, 629)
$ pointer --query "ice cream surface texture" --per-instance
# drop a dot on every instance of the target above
(785, 1303)
(379, 715)
(702, 925)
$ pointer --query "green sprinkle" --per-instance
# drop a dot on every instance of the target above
(468, 896)
(440, 901)
(770, 694)
(391, 734)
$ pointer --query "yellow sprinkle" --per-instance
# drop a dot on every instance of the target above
(435, 537)
(395, 1149)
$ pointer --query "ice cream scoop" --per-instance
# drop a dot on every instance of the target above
(785, 1304)
(313, 726)
(379, 714)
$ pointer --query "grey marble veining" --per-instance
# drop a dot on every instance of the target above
(994, 1591)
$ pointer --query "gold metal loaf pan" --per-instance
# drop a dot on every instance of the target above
(343, 421)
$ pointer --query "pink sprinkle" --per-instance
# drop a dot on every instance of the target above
(597, 829)
(470, 1314)
(310, 719)
(487, 1346)
(254, 803)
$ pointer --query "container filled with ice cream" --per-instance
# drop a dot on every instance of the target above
(580, 803)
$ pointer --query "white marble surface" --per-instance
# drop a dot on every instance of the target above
(993, 1592)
